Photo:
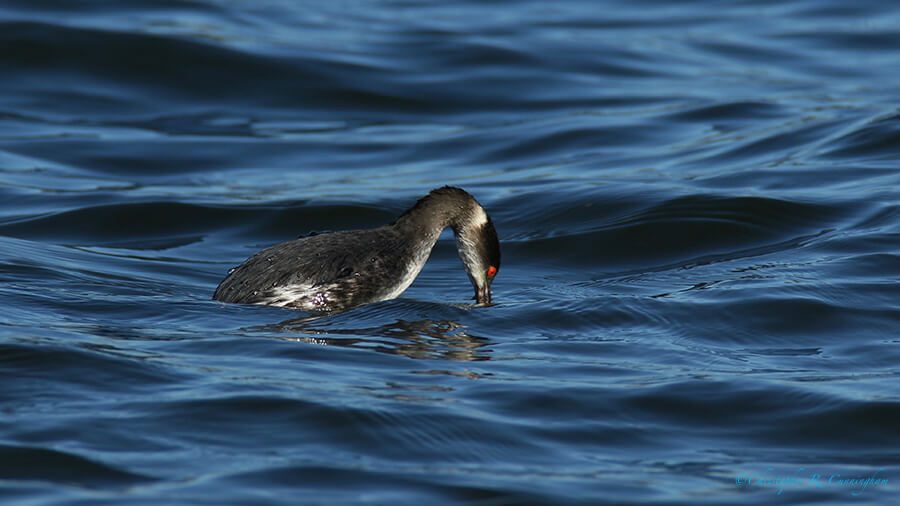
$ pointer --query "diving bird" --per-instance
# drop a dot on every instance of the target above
(340, 270)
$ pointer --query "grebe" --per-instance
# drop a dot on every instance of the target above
(340, 270)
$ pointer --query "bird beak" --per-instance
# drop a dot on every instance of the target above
(483, 294)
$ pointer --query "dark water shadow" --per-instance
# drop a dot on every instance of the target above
(442, 339)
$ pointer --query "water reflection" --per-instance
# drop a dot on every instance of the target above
(423, 339)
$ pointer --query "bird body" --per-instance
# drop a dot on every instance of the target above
(340, 270)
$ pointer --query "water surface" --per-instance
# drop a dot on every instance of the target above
(698, 212)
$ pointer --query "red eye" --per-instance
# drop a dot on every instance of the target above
(492, 271)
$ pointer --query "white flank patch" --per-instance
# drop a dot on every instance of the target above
(303, 296)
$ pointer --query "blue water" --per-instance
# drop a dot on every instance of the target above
(698, 211)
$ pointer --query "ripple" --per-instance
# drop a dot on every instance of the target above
(698, 214)
(39, 464)
(876, 139)
(685, 230)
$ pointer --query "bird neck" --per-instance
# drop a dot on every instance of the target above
(442, 208)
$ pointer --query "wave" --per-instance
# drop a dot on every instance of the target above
(43, 465)
(686, 229)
